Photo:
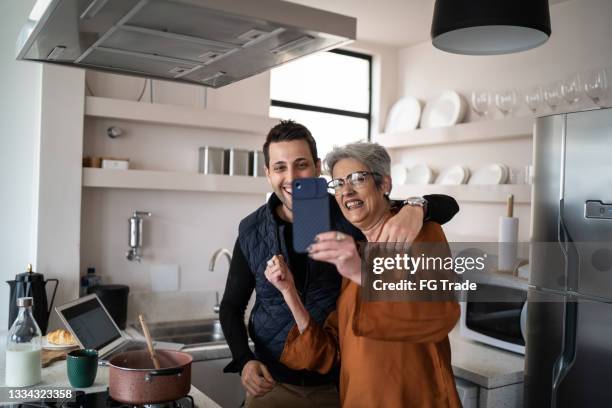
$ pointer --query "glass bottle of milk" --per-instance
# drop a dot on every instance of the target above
(23, 360)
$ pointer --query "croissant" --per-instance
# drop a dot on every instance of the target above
(61, 337)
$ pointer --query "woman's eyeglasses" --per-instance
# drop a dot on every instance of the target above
(356, 179)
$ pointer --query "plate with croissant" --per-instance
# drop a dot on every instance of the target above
(60, 339)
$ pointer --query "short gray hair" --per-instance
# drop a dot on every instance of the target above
(372, 155)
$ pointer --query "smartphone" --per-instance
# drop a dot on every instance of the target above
(310, 211)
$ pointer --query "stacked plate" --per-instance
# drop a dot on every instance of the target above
(404, 115)
(496, 173)
(417, 174)
(446, 110)
(453, 176)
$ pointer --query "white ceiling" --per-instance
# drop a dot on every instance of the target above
(398, 23)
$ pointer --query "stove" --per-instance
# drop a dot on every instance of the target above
(101, 400)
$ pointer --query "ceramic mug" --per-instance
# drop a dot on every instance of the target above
(82, 366)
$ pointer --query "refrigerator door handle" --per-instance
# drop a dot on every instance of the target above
(566, 359)
(568, 346)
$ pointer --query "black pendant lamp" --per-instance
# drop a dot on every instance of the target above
(489, 27)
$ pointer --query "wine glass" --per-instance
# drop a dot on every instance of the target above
(596, 85)
(534, 98)
(481, 102)
(571, 89)
(506, 101)
(552, 95)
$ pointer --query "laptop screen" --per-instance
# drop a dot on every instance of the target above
(91, 324)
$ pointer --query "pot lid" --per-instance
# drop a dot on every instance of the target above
(29, 276)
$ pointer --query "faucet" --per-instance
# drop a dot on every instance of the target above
(211, 267)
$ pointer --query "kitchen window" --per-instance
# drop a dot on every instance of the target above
(329, 92)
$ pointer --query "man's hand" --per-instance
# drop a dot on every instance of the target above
(404, 227)
(278, 274)
(256, 378)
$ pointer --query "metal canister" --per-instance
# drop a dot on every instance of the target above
(237, 162)
(256, 163)
(212, 160)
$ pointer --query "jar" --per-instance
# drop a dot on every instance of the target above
(23, 348)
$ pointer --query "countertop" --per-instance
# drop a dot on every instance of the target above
(55, 376)
(484, 365)
(487, 366)
(481, 364)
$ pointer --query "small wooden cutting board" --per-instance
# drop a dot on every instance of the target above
(48, 357)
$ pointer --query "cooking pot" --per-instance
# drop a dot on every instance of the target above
(133, 379)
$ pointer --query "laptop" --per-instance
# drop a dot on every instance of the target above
(94, 328)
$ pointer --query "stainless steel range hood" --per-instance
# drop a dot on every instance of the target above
(206, 42)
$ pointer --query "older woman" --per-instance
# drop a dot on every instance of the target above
(393, 354)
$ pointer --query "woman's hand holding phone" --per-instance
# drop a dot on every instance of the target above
(339, 249)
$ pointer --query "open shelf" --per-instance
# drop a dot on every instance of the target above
(492, 130)
(175, 115)
(468, 193)
(177, 181)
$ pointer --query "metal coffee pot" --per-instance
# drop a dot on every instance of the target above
(31, 284)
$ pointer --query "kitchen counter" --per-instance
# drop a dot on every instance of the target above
(487, 366)
(478, 363)
(55, 376)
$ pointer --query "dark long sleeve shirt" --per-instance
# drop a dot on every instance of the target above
(241, 283)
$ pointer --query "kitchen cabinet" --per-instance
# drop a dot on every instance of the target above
(224, 388)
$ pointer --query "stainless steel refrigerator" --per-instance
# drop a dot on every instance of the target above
(568, 360)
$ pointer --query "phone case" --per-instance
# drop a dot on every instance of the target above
(310, 211)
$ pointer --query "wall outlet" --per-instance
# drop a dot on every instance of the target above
(164, 278)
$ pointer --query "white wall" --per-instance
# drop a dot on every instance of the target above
(20, 117)
(580, 40)
(59, 194)
(581, 35)
(186, 227)
(384, 79)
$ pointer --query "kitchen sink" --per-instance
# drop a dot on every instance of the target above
(189, 332)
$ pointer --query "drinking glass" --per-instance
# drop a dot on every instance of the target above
(552, 95)
(596, 85)
(506, 101)
(534, 98)
(571, 89)
(481, 102)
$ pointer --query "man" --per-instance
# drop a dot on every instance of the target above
(290, 152)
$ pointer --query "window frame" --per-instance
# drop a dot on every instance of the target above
(341, 112)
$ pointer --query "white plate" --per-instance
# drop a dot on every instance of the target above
(496, 173)
(419, 174)
(404, 115)
(399, 172)
(453, 175)
(51, 346)
(446, 110)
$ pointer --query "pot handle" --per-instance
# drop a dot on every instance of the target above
(53, 296)
(165, 372)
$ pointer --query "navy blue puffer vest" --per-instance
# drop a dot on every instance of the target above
(260, 238)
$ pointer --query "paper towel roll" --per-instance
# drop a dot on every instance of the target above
(508, 243)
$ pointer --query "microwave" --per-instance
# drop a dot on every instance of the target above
(496, 313)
